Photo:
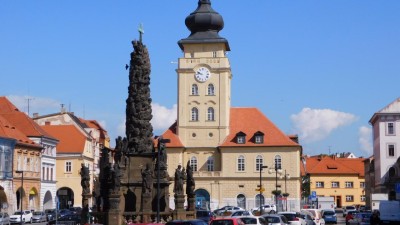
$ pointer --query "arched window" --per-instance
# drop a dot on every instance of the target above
(210, 114)
(259, 162)
(259, 200)
(278, 162)
(240, 163)
(210, 89)
(195, 114)
(195, 89)
(193, 163)
(241, 201)
(210, 163)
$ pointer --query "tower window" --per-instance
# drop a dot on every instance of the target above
(195, 89)
(210, 90)
(210, 114)
(195, 114)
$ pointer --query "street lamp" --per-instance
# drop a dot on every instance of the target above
(286, 176)
(277, 170)
(22, 190)
(261, 190)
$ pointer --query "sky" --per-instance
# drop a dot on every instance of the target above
(319, 69)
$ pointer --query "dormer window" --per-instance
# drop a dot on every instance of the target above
(259, 137)
(241, 138)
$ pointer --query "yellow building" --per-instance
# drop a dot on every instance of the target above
(226, 147)
(73, 150)
(341, 178)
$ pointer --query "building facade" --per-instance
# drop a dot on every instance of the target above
(225, 146)
(386, 144)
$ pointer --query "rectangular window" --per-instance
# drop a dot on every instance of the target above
(348, 184)
(68, 167)
(362, 198)
(349, 198)
(241, 164)
(319, 184)
(390, 128)
(362, 184)
(391, 150)
(335, 184)
(214, 54)
(259, 139)
(210, 164)
(240, 139)
(43, 173)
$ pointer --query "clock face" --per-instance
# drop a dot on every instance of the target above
(202, 74)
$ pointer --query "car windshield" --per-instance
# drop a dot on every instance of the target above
(289, 216)
(329, 213)
(272, 219)
(37, 213)
(249, 220)
(17, 213)
(366, 215)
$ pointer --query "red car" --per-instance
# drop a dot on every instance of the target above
(350, 215)
(226, 221)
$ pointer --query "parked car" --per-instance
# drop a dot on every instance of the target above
(308, 218)
(26, 217)
(75, 210)
(227, 221)
(253, 220)
(38, 217)
(242, 213)
(347, 208)
(51, 214)
(350, 215)
(271, 209)
(205, 215)
(187, 222)
(64, 212)
(227, 209)
(329, 216)
(293, 218)
(275, 219)
(76, 218)
(362, 218)
(4, 218)
(317, 216)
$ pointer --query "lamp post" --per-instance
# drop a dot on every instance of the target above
(261, 190)
(277, 170)
(286, 176)
(22, 190)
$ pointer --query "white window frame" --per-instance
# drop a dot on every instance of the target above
(241, 139)
(68, 167)
(210, 114)
(210, 89)
(319, 184)
(195, 89)
(363, 198)
(193, 163)
(259, 162)
(278, 162)
(195, 114)
(390, 128)
(258, 139)
(362, 184)
(349, 184)
(210, 163)
(335, 184)
(349, 198)
(241, 166)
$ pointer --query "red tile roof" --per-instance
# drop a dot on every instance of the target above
(71, 139)
(8, 130)
(95, 125)
(248, 121)
(333, 165)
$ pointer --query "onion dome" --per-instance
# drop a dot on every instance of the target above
(204, 24)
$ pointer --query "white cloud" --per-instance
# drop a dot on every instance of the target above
(36, 104)
(316, 124)
(365, 139)
(163, 118)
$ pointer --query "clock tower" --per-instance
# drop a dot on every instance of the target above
(204, 80)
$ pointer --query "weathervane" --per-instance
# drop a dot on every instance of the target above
(141, 31)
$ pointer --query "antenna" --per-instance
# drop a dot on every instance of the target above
(29, 100)
(329, 149)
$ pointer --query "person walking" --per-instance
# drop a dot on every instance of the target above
(375, 220)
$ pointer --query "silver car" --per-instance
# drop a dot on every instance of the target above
(4, 218)
(39, 217)
(274, 219)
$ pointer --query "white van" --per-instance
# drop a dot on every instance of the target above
(317, 215)
(389, 212)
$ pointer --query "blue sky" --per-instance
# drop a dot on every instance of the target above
(319, 69)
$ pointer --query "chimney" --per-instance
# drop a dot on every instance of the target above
(62, 108)
(47, 123)
(35, 115)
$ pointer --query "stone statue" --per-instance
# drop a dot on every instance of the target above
(147, 179)
(115, 179)
(163, 155)
(85, 179)
(179, 178)
(190, 184)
